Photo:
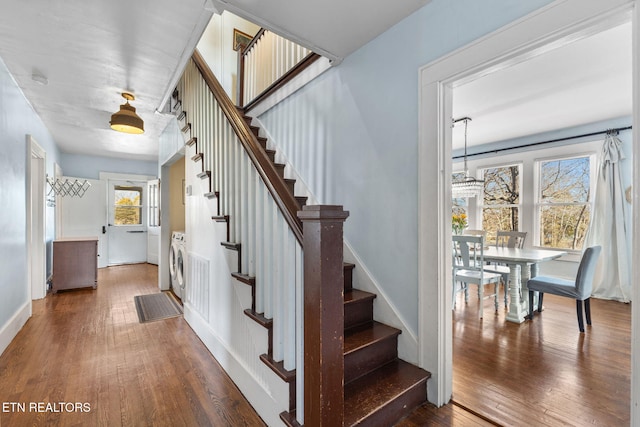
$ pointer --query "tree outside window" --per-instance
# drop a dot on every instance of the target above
(501, 200)
(459, 205)
(564, 202)
(128, 205)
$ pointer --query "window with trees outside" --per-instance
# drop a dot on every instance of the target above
(500, 203)
(459, 205)
(128, 205)
(563, 202)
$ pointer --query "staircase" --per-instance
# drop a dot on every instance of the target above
(379, 388)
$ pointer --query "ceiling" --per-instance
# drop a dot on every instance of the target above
(331, 28)
(86, 54)
(583, 82)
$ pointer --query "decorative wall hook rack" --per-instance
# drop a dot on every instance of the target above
(67, 187)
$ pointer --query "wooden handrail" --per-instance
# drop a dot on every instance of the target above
(285, 201)
(253, 41)
(278, 83)
(283, 80)
(241, 55)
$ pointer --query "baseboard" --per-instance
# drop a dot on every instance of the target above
(264, 404)
(12, 327)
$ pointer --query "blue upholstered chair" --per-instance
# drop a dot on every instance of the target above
(580, 289)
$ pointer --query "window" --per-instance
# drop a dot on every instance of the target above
(500, 204)
(459, 205)
(563, 202)
(128, 205)
(153, 191)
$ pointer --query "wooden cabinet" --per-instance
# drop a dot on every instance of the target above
(75, 263)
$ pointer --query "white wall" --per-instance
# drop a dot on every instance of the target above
(216, 47)
(17, 119)
(352, 134)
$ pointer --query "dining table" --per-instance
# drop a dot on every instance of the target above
(523, 265)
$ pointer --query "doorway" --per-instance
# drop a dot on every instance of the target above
(36, 253)
(558, 23)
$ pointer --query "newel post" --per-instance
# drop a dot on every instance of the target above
(323, 315)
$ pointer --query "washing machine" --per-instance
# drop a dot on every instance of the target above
(177, 263)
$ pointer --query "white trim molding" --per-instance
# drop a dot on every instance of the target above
(635, 313)
(13, 326)
(556, 24)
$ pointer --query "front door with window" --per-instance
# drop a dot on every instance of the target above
(127, 222)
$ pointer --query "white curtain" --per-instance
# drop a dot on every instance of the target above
(610, 227)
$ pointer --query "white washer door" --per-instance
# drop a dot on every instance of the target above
(173, 258)
(180, 279)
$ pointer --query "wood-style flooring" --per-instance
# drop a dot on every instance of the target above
(87, 347)
(544, 372)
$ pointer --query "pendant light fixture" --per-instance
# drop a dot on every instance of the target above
(466, 186)
(126, 120)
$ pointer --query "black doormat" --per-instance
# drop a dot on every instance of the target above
(156, 307)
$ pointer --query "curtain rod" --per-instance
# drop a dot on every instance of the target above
(533, 144)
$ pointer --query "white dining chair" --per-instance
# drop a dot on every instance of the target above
(507, 239)
(579, 289)
(468, 269)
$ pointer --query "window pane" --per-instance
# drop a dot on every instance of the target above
(564, 227)
(494, 219)
(127, 215)
(128, 207)
(459, 204)
(565, 181)
(502, 186)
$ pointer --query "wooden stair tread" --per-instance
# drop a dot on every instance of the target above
(259, 318)
(278, 368)
(361, 336)
(356, 295)
(244, 278)
(371, 394)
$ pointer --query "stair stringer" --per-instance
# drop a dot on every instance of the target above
(384, 310)
(235, 340)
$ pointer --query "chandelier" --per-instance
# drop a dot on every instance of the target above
(467, 186)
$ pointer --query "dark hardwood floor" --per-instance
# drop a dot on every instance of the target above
(87, 346)
(544, 372)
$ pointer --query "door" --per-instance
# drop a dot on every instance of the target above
(153, 215)
(36, 176)
(127, 222)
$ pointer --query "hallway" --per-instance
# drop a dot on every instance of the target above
(86, 346)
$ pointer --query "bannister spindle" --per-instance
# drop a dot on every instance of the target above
(251, 220)
(244, 211)
(289, 294)
(278, 282)
(268, 258)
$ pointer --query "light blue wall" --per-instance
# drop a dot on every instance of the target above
(17, 119)
(352, 134)
(89, 167)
